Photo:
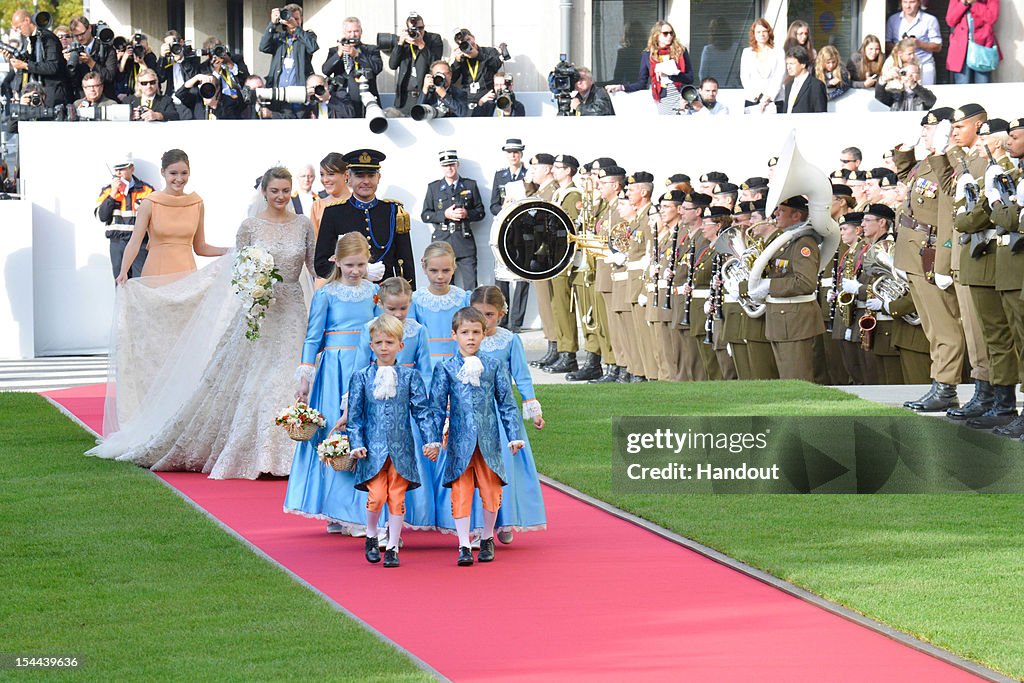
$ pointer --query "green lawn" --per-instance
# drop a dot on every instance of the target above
(945, 568)
(101, 560)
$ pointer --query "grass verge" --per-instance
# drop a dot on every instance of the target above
(106, 563)
(944, 568)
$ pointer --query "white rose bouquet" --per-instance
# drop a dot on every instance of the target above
(253, 280)
(300, 421)
(334, 450)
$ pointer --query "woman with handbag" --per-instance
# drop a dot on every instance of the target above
(973, 54)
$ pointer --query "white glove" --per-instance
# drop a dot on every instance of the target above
(943, 281)
(873, 304)
(831, 296)
(991, 190)
(616, 259)
(940, 138)
(375, 271)
(901, 273)
(851, 286)
(733, 289)
(707, 307)
(641, 300)
(760, 293)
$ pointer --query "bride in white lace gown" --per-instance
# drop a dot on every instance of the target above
(226, 429)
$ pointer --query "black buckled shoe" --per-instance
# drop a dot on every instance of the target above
(547, 359)
(566, 363)
(1014, 430)
(981, 401)
(465, 556)
(391, 557)
(610, 376)
(486, 553)
(372, 551)
(592, 369)
(928, 395)
(944, 398)
(1003, 410)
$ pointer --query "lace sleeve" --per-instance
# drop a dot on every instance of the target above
(243, 238)
(310, 246)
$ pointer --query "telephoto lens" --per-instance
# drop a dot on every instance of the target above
(286, 14)
(438, 80)
(177, 48)
(207, 90)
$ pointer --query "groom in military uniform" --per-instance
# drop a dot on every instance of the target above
(384, 222)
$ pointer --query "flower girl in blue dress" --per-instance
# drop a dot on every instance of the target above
(522, 507)
(336, 317)
(395, 297)
(434, 307)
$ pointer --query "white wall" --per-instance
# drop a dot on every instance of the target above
(16, 311)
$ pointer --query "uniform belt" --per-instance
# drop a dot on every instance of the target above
(700, 293)
(1004, 240)
(619, 277)
(882, 317)
(908, 222)
(802, 299)
(730, 299)
(450, 228)
(827, 282)
(634, 265)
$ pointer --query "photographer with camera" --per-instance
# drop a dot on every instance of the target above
(148, 104)
(452, 205)
(132, 58)
(178, 62)
(473, 67)
(587, 100)
(906, 93)
(411, 57)
(923, 28)
(201, 96)
(439, 93)
(116, 207)
(40, 61)
(325, 103)
(32, 105)
(88, 53)
(228, 68)
(500, 100)
(292, 48)
(353, 60)
(92, 86)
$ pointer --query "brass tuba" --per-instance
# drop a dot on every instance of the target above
(888, 285)
(795, 175)
(740, 251)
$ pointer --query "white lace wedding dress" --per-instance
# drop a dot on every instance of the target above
(226, 429)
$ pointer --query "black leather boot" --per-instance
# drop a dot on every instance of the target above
(1003, 410)
(1014, 430)
(590, 370)
(928, 395)
(979, 403)
(625, 376)
(610, 376)
(637, 378)
(547, 359)
(943, 398)
(566, 363)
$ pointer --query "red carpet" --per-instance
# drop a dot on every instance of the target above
(593, 597)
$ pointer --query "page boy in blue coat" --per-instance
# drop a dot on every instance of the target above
(477, 392)
(380, 400)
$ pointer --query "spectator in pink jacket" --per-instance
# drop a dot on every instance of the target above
(985, 13)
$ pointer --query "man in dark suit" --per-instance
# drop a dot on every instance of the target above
(351, 58)
(453, 204)
(150, 105)
(445, 98)
(500, 93)
(473, 69)
(95, 56)
(45, 64)
(805, 94)
(292, 48)
(384, 223)
(202, 97)
(514, 171)
(178, 62)
(324, 103)
(411, 58)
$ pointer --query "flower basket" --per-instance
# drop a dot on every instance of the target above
(300, 421)
(334, 450)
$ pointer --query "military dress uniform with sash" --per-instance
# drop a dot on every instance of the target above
(384, 222)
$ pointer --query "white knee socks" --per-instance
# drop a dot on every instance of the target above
(395, 531)
(489, 519)
(462, 529)
(371, 523)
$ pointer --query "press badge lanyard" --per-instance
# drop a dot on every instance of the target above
(412, 49)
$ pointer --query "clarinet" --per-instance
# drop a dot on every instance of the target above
(656, 249)
(833, 292)
(685, 322)
(719, 288)
(675, 255)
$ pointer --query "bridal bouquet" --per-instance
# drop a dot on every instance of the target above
(334, 450)
(253, 280)
(301, 421)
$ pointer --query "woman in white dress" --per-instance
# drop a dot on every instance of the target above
(226, 428)
(762, 71)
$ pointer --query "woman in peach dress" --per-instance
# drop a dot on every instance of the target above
(167, 322)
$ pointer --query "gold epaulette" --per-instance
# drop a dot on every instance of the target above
(403, 223)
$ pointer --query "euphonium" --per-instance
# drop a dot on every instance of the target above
(740, 250)
(888, 284)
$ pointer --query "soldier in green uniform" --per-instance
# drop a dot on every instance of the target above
(610, 180)
(924, 250)
(540, 183)
(844, 320)
(978, 263)
(639, 188)
(793, 316)
(1006, 214)
(828, 357)
(569, 198)
(731, 333)
(689, 247)
(759, 349)
(659, 287)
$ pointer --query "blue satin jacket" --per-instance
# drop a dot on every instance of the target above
(382, 426)
(473, 416)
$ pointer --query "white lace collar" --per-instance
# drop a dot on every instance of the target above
(342, 292)
(497, 341)
(412, 328)
(437, 303)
